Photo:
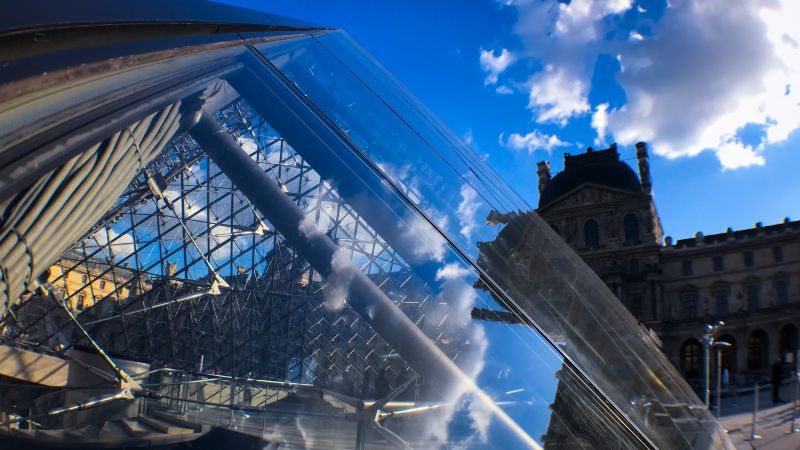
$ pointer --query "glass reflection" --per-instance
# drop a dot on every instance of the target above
(539, 277)
(315, 258)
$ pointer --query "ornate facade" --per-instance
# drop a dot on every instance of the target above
(750, 278)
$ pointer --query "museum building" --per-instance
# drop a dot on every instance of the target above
(750, 278)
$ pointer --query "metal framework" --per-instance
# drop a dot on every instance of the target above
(164, 306)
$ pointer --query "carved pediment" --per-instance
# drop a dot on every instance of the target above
(590, 194)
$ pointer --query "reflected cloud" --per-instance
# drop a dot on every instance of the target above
(429, 244)
(342, 273)
(454, 306)
(466, 210)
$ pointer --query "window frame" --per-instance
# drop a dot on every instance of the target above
(591, 233)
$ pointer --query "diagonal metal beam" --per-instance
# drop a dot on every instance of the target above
(372, 304)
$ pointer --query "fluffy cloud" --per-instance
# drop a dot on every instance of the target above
(556, 95)
(734, 154)
(704, 71)
(467, 209)
(495, 65)
(636, 36)
(708, 71)
(600, 120)
(113, 244)
(535, 140)
(564, 38)
(342, 273)
(429, 245)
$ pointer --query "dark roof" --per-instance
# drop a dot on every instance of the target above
(595, 166)
(46, 14)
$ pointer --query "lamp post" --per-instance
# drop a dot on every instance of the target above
(709, 339)
(796, 385)
(719, 345)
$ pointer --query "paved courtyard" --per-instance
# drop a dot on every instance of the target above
(773, 422)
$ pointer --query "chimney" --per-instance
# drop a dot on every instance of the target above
(644, 167)
(543, 170)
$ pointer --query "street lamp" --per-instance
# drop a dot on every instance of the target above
(719, 345)
(709, 339)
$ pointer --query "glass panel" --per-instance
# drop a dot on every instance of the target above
(525, 266)
(306, 302)
(440, 138)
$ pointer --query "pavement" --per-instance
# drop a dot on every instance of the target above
(773, 421)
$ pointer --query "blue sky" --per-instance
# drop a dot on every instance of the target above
(712, 89)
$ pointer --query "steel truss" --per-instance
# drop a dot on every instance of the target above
(272, 321)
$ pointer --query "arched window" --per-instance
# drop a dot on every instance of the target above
(757, 350)
(591, 233)
(631, 223)
(690, 358)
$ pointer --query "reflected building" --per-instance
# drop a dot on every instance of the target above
(748, 278)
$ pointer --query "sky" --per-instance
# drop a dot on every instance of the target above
(713, 89)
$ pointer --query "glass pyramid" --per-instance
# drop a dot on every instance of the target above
(225, 225)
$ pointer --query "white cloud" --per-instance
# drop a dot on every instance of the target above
(342, 273)
(564, 38)
(495, 65)
(452, 272)
(503, 90)
(600, 120)
(535, 140)
(467, 209)
(710, 71)
(468, 138)
(453, 311)
(428, 243)
(310, 227)
(557, 95)
(120, 246)
(704, 71)
(734, 154)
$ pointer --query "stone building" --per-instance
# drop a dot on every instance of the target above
(748, 278)
(82, 282)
